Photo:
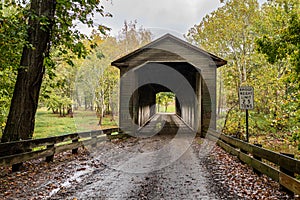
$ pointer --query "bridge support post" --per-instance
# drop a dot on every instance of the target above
(75, 151)
(16, 167)
(287, 172)
(50, 158)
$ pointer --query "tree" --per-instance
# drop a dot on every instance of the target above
(261, 45)
(165, 98)
(20, 122)
(284, 40)
(97, 78)
(228, 33)
(280, 43)
(50, 23)
(230, 30)
(57, 91)
(132, 37)
(12, 40)
(94, 79)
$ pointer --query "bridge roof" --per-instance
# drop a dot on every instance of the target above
(154, 49)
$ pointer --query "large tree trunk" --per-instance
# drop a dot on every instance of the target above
(21, 118)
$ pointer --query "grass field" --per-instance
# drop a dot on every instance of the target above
(48, 124)
(171, 108)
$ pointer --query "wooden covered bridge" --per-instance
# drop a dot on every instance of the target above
(164, 65)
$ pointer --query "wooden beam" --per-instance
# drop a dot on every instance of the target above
(291, 164)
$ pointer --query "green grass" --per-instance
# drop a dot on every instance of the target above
(48, 124)
(171, 109)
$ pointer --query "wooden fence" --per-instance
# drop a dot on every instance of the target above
(14, 153)
(283, 169)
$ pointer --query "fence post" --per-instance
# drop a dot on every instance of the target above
(257, 158)
(292, 174)
(19, 149)
(243, 151)
(75, 151)
(94, 141)
(50, 158)
(16, 167)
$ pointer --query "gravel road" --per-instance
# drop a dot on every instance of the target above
(185, 178)
(163, 166)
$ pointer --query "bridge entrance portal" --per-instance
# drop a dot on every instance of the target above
(168, 65)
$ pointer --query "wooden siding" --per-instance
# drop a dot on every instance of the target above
(201, 74)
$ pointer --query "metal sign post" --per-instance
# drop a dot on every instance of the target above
(246, 98)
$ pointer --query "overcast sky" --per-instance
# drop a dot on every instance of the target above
(159, 16)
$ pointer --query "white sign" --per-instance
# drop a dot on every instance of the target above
(246, 97)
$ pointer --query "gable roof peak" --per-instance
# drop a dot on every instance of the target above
(167, 36)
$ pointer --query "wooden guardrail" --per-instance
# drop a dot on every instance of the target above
(284, 170)
(14, 153)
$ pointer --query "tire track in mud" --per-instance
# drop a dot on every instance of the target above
(184, 179)
(173, 171)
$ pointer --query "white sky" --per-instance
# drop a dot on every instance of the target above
(159, 16)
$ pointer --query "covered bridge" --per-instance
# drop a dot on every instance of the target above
(164, 65)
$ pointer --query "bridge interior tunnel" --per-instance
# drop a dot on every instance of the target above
(142, 104)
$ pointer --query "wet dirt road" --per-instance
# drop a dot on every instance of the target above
(186, 178)
(163, 166)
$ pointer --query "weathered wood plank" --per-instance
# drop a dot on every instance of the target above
(289, 163)
(265, 169)
(52, 144)
(228, 148)
(18, 158)
(290, 183)
(7, 148)
(66, 147)
(96, 133)
(110, 131)
(262, 167)
(92, 143)
(266, 154)
(245, 158)
(286, 162)
(237, 143)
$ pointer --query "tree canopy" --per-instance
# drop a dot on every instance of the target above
(50, 24)
(261, 44)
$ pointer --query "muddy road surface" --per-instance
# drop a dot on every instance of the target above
(162, 162)
(185, 178)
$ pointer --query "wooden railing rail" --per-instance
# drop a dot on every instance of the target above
(14, 153)
(253, 155)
